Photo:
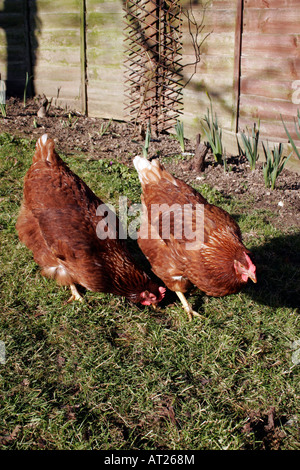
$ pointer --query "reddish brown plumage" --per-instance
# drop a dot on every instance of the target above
(218, 263)
(59, 224)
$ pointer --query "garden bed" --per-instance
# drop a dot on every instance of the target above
(102, 139)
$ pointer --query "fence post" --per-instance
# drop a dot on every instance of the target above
(237, 59)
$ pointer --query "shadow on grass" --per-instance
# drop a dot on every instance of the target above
(278, 272)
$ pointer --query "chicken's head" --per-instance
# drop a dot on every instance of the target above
(245, 268)
(152, 297)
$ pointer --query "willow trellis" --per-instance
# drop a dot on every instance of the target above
(153, 83)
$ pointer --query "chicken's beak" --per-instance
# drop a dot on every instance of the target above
(252, 276)
(251, 272)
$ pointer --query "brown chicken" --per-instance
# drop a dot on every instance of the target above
(187, 240)
(66, 227)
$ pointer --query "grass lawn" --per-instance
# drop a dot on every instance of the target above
(109, 375)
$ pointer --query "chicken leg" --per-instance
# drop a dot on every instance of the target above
(187, 307)
(75, 294)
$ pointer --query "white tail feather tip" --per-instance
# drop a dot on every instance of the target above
(44, 138)
(141, 163)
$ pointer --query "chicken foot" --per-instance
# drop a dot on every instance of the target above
(187, 307)
(75, 294)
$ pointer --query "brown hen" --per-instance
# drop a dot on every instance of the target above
(66, 227)
(187, 240)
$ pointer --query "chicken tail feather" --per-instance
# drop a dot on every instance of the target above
(44, 150)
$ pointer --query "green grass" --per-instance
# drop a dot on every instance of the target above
(109, 375)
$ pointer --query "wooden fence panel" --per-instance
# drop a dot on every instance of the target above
(270, 66)
(273, 45)
(104, 38)
(271, 21)
(215, 72)
(57, 68)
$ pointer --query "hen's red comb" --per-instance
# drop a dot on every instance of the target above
(252, 267)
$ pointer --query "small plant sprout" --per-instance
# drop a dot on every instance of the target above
(104, 127)
(25, 89)
(213, 133)
(145, 146)
(179, 129)
(69, 122)
(275, 162)
(3, 109)
(250, 146)
(297, 129)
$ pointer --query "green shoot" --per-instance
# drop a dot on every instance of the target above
(213, 133)
(180, 134)
(104, 128)
(69, 122)
(2, 97)
(250, 146)
(3, 109)
(297, 132)
(275, 162)
(25, 89)
(145, 147)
